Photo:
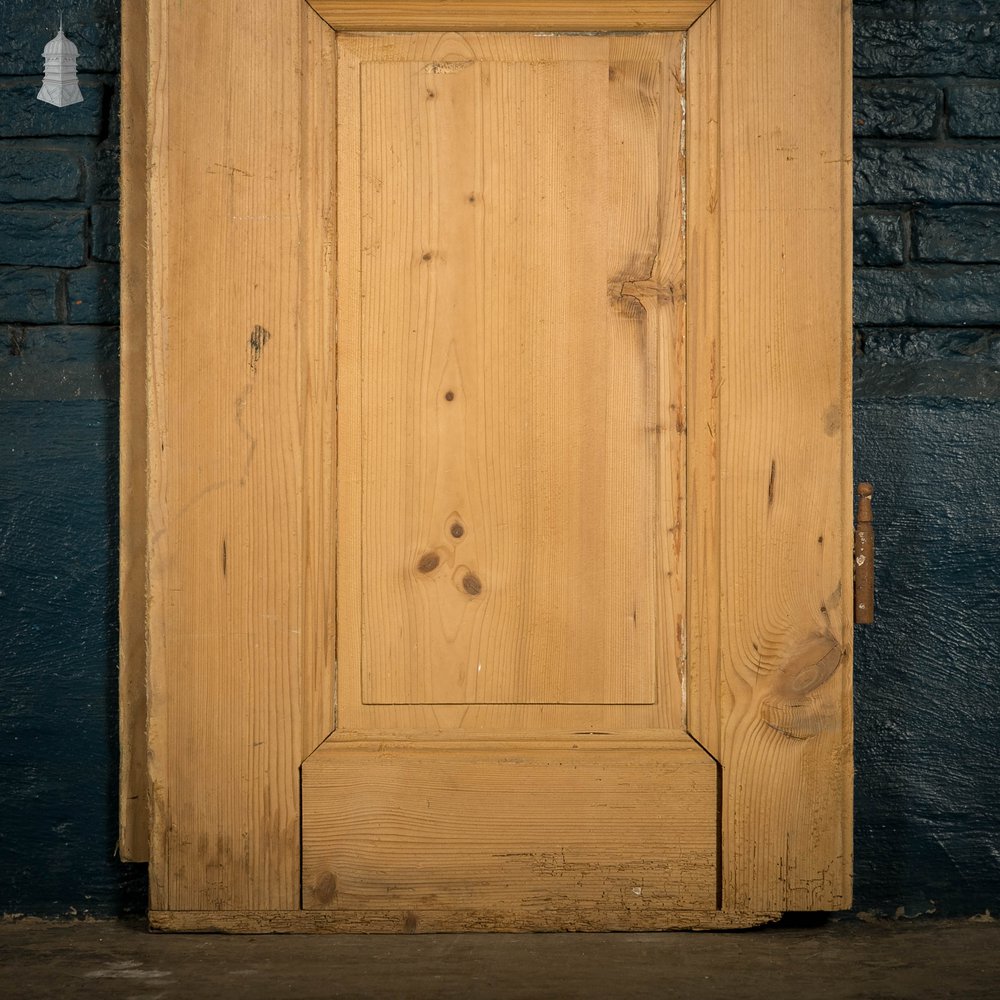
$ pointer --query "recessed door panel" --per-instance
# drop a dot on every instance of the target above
(506, 235)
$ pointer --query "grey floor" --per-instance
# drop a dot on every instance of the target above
(841, 959)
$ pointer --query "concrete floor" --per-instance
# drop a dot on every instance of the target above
(836, 961)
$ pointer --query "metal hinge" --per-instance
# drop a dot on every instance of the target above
(864, 558)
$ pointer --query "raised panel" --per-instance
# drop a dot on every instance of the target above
(510, 329)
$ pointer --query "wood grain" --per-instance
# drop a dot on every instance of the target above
(704, 711)
(459, 921)
(133, 796)
(318, 387)
(511, 317)
(616, 828)
(771, 689)
(239, 499)
(240, 392)
(509, 15)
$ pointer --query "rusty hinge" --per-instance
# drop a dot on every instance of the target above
(864, 558)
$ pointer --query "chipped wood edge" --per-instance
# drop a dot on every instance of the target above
(133, 794)
(423, 921)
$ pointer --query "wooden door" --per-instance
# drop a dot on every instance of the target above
(496, 542)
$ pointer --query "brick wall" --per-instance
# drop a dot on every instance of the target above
(927, 178)
(58, 208)
(58, 471)
(927, 433)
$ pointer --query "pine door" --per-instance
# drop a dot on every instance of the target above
(492, 543)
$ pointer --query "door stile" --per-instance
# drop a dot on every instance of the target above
(240, 277)
(771, 472)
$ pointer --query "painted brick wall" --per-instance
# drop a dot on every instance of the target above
(927, 422)
(927, 249)
(58, 476)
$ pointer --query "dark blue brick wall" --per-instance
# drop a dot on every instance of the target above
(927, 183)
(974, 109)
(927, 432)
(58, 473)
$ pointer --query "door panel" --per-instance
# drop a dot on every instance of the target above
(617, 827)
(507, 485)
(510, 301)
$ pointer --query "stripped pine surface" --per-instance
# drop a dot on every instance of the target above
(240, 403)
(620, 827)
(511, 318)
(133, 798)
(771, 481)
(447, 921)
(509, 15)
(718, 471)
